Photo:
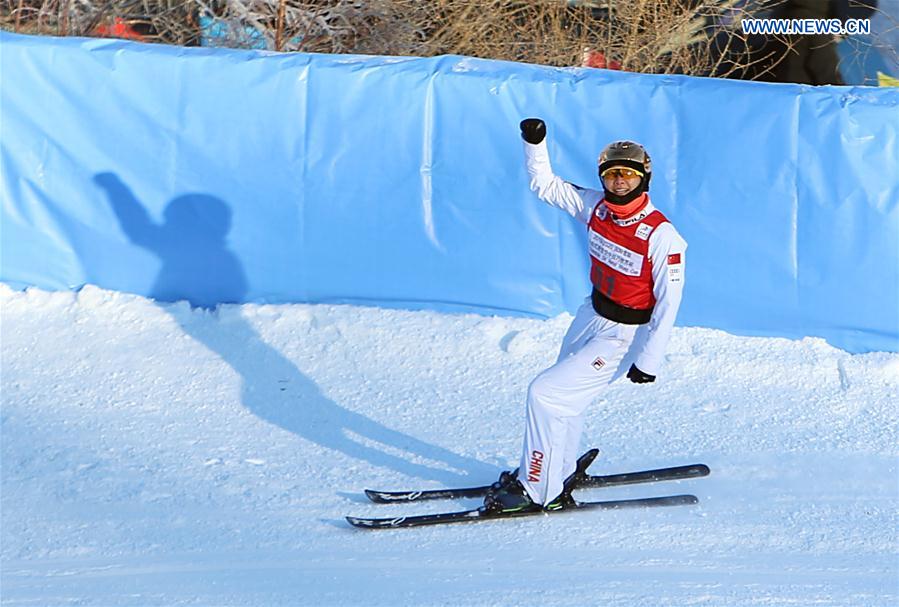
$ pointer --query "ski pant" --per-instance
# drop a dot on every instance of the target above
(594, 353)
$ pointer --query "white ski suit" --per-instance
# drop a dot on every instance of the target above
(595, 350)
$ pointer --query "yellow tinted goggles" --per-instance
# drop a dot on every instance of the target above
(620, 172)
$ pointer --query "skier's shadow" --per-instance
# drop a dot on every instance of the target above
(198, 266)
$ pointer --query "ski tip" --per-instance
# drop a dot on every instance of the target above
(392, 497)
(375, 523)
(374, 496)
(361, 523)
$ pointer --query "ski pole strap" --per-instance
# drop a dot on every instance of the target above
(607, 308)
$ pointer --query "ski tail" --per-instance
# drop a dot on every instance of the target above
(675, 473)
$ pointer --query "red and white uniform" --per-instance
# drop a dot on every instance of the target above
(620, 266)
(637, 262)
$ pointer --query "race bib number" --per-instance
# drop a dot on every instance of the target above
(615, 256)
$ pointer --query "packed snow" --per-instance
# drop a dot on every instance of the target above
(154, 454)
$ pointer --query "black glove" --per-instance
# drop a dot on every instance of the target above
(533, 130)
(639, 377)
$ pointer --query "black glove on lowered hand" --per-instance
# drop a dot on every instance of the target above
(533, 130)
(639, 377)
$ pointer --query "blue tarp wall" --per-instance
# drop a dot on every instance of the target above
(238, 176)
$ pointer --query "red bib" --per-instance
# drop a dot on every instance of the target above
(619, 255)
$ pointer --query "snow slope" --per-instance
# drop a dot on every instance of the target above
(158, 455)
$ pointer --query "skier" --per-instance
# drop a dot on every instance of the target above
(637, 272)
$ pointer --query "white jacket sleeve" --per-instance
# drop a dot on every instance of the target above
(667, 254)
(577, 202)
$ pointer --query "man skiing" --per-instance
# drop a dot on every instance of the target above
(637, 272)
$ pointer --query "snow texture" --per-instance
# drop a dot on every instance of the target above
(158, 455)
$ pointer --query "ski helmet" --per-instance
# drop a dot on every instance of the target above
(630, 155)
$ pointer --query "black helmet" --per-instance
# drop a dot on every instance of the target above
(630, 155)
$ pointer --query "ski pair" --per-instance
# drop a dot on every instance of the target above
(485, 513)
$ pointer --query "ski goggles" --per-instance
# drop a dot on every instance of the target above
(616, 172)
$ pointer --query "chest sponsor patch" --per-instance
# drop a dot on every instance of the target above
(631, 220)
(615, 256)
(643, 231)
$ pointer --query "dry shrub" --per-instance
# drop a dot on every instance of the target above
(661, 36)
(653, 36)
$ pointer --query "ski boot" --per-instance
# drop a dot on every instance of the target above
(510, 498)
(564, 499)
(506, 478)
(507, 495)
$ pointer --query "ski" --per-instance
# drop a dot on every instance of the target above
(607, 480)
(481, 514)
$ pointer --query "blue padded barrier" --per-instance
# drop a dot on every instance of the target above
(216, 175)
